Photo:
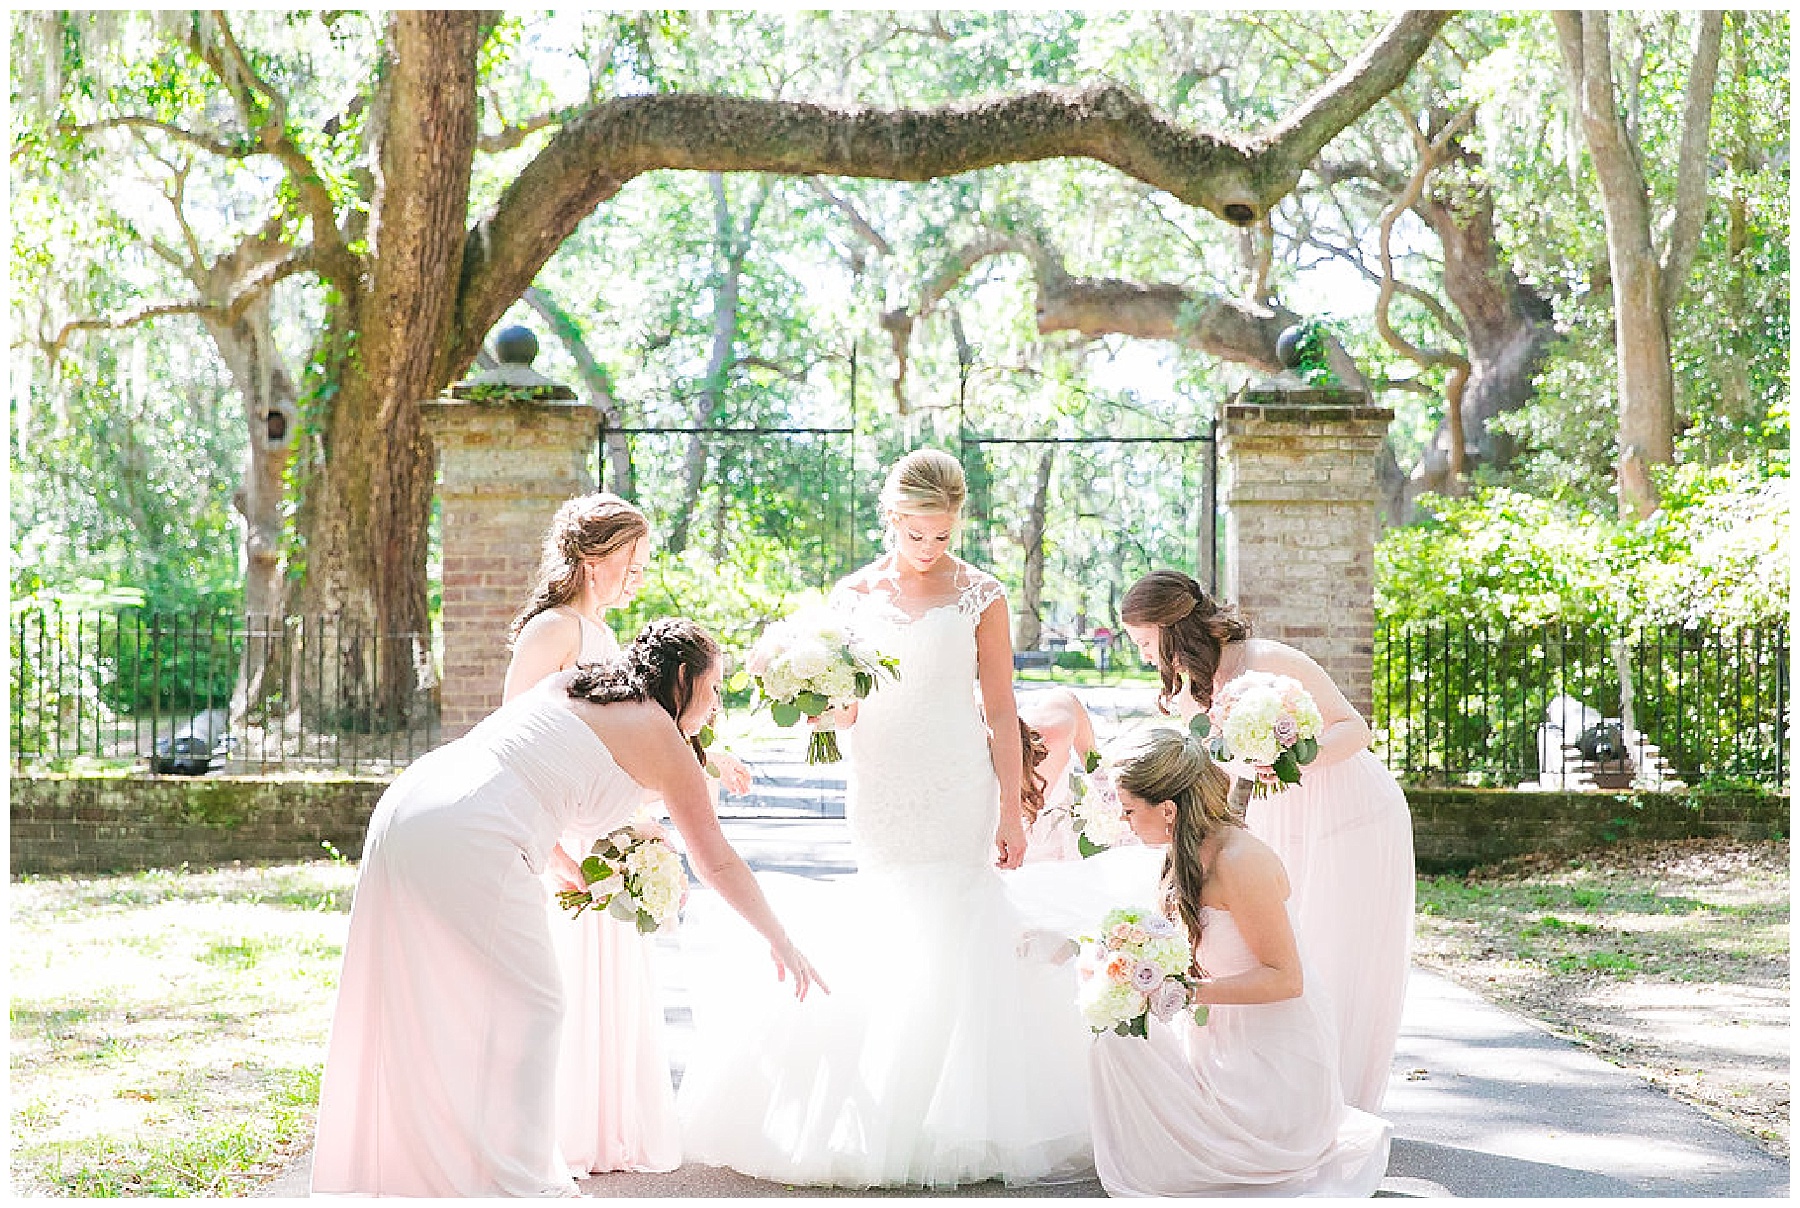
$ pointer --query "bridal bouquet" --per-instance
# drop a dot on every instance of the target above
(1095, 812)
(634, 876)
(1138, 966)
(812, 662)
(1269, 721)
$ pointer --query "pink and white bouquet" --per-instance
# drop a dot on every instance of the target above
(1268, 721)
(635, 876)
(1096, 814)
(1139, 965)
(812, 662)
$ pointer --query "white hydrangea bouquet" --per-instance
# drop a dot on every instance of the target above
(1095, 812)
(811, 662)
(635, 876)
(1268, 721)
(1138, 966)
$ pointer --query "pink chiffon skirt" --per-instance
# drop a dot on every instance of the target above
(1345, 836)
(615, 1100)
(1242, 1107)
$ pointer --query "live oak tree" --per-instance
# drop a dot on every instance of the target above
(373, 201)
(1648, 271)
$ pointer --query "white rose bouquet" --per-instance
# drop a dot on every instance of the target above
(633, 875)
(1268, 721)
(1138, 966)
(1095, 812)
(812, 662)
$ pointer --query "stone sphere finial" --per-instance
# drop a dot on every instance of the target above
(1288, 345)
(516, 345)
(512, 378)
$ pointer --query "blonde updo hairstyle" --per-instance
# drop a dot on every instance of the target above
(926, 482)
(588, 526)
(1172, 765)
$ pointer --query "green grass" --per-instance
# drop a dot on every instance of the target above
(167, 1027)
(1609, 916)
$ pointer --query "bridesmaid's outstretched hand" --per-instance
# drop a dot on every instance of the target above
(789, 959)
(734, 773)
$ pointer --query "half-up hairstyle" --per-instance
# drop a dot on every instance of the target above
(588, 526)
(1032, 785)
(1169, 765)
(662, 664)
(1192, 628)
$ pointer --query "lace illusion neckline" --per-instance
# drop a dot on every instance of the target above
(892, 606)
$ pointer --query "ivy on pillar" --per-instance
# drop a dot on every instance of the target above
(511, 447)
(1300, 464)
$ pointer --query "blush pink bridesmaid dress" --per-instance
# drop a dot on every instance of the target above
(615, 1098)
(1248, 1105)
(441, 1071)
(1344, 835)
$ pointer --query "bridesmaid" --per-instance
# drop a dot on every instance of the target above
(616, 1100)
(440, 1074)
(1343, 833)
(1248, 1104)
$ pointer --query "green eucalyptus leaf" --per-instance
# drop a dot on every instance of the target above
(1200, 725)
(784, 713)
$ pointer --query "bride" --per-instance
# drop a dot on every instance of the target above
(946, 1054)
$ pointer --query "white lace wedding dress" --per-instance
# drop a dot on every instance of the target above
(942, 1056)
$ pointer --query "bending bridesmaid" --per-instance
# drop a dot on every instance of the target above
(1343, 833)
(616, 1099)
(440, 1075)
(1248, 1104)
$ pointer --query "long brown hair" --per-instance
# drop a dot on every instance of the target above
(588, 526)
(1169, 765)
(662, 664)
(1191, 629)
(1033, 786)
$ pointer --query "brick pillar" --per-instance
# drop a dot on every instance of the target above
(1300, 469)
(504, 467)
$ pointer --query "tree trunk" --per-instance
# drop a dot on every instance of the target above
(1030, 629)
(1641, 321)
(708, 402)
(1507, 326)
(271, 420)
(368, 497)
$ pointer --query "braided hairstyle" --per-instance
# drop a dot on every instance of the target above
(1192, 629)
(587, 526)
(1033, 785)
(662, 664)
(1172, 765)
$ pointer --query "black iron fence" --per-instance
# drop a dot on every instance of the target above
(1565, 707)
(1553, 705)
(189, 694)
